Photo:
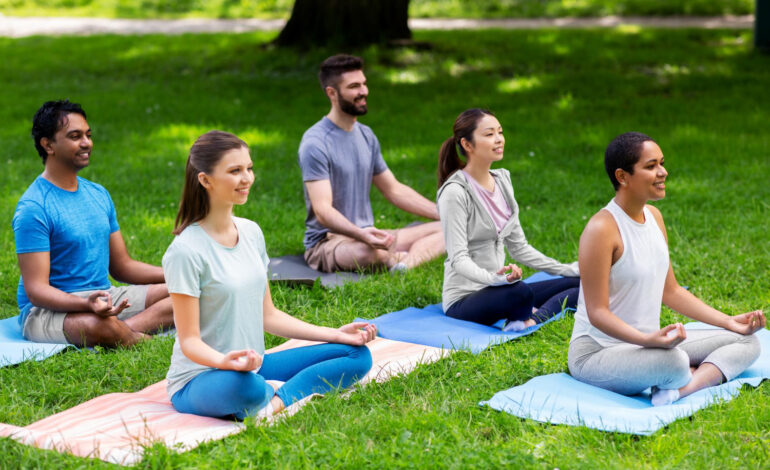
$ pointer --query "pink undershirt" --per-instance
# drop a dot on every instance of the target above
(493, 202)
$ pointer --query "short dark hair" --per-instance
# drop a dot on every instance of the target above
(333, 67)
(623, 152)
(49, 119)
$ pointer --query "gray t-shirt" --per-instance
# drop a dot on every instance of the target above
(230, 284)
(348, 160)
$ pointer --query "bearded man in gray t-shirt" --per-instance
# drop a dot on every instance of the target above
(340, 158)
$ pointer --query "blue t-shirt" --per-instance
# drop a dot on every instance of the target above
(349, 160)
(74, 227)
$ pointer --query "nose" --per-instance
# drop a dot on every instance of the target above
(249, 177)
(86, 142)
(662, 171)
(364, 90)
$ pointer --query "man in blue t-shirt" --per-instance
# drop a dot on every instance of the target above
(340, 158)
(68, 241)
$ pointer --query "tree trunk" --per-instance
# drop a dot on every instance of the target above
(345, 23)
(762, 26)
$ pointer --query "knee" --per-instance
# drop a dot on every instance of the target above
(676, 373)
(519, 293)
(753, 347)
(362, 360)
(251, 390)
(91, 330)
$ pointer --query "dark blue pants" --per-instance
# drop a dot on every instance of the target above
(515, 301)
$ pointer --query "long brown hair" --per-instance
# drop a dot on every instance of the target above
(204, 156)
(448, 158)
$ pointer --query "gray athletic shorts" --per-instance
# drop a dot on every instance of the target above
(47, 326)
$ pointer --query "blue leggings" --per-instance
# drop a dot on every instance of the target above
(307, 370)
(515, 301)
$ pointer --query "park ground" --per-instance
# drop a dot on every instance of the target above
(560, 95)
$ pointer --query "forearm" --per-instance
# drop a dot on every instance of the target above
(201, 353)
(51, 298)
(333, 219)
(282, 324)
(409, 200)
(526, 254)
(136, 272)
(684, 302)
(609, 324)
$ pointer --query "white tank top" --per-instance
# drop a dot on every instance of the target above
(636, 279)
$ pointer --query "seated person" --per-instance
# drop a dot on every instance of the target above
(617, 342)
(68, 241)
(479, 216)
(217, 274)
(340, 158)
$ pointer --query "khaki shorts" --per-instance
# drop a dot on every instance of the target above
(46, 326)
(321, 255)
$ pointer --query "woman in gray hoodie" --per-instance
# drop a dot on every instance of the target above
(479, 216)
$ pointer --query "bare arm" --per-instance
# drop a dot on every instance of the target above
(404, 197)
(600, 247)
(320, 194)
(35, 271)
(187, 321)
(282, 324)
(683, 301)
(125, 269)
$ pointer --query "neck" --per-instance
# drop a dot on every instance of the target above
(219, 220)
(630, 205)
(64, 178)
(480, 172)
(341, 119)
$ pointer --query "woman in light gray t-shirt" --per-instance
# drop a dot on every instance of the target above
(617, 342)
(216, 272)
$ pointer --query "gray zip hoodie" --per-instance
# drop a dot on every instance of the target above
(473, 246)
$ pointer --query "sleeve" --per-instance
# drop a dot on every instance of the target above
(379, 161)
(313, 160)
(453, 213)
(31, 228)
(182, 268)
(261, 247)
(521, 251)
(112, 214)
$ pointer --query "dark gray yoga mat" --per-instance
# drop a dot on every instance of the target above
(292, 269)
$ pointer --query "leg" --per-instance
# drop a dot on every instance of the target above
(421, 242)
(553, 306)
(218, 393)
(157, 315)
(315, 369)
(626, 368)
(488, 305)
(88, 329)
(545, 290)
(718, 355)
(341, 253)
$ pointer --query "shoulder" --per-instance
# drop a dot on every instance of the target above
(94, 189)
(249, 227)
(657, 215)
(600, 226)
(317, 132)
(365, 130)
(453, 190)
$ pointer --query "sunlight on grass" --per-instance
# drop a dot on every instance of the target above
(628, 29)
(518, 84)
(408, 76)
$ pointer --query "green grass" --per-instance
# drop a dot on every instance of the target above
(560, 95)
(418, 8)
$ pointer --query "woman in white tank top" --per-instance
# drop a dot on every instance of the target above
(617, 342)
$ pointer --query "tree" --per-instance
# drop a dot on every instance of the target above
(345, 23)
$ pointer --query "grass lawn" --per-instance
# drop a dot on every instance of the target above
(560, 95)
(417, 8)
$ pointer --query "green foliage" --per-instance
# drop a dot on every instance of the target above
(560, 95)
(418, 8)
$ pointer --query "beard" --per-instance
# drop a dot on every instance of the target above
(351, 107)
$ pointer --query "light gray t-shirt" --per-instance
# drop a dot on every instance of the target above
(230, 284)
(349, 160)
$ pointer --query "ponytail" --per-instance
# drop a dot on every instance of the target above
(448, 160)
(204, 156)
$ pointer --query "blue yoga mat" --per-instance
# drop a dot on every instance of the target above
(15, 349)
(430, 327)
(560, 399)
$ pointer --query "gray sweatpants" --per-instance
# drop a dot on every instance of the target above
(629, 369)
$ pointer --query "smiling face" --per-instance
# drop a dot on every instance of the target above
(231, 178)
(648, 181)
(350, 93)
(488, 141)
(71, 145)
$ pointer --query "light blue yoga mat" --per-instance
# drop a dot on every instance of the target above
(430, 327)
(15, 349)
(560, 399)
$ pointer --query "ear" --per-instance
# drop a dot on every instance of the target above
(47, 145)
(203, 179)
(466, 145)
(331, 93)
(621, 176)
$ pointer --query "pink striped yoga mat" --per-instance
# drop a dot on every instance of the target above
(118, 426)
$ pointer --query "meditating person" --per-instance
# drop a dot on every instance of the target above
(617, 342)
(68, 243)
(216, 270)
(479, 216)
(340, 158)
